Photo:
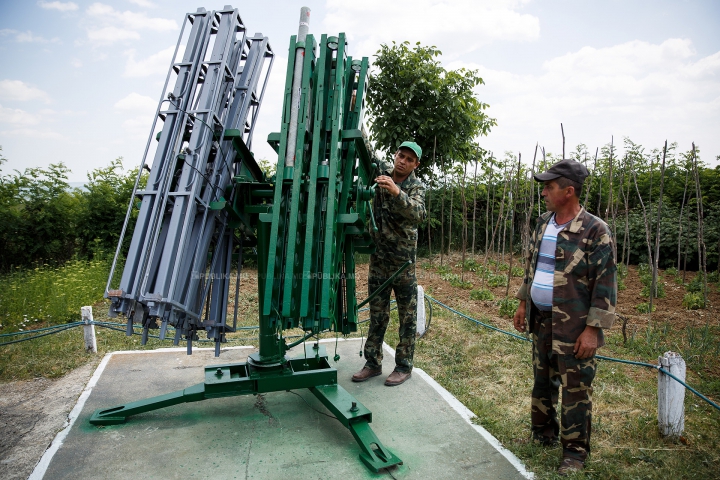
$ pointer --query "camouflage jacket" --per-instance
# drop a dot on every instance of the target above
(585, 280)
(397, 218)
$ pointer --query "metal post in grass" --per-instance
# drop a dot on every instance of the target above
(88, 329)
(671, 395)
(420, 310)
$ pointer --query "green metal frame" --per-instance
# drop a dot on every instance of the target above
(306, 224)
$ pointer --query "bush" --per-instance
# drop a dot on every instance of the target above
(693, 301)
(659, 292)
(508, 306)
(455, 281)
(696, 284)
(622, 271)
(621, 284)
(497, 280)
(713, 277)
(443, 269)
(518, 272)
(504, 267)
(645, 307)
(482, 295)
(470, 265)
(671, 271)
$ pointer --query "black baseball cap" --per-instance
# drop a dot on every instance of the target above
(569, 169)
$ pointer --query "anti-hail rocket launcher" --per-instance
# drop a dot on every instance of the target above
(206, 199)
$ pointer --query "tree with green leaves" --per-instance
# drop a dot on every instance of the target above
(413, 97)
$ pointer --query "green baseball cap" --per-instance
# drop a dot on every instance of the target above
(414, 147)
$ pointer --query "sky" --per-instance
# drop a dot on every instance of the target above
(80, 81)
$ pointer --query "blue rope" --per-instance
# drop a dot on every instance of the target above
(27, 332)
(610, 359)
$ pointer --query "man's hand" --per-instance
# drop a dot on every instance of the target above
(586, 344)
(519, 318)
(387, 183)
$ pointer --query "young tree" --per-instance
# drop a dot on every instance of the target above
(414, 97)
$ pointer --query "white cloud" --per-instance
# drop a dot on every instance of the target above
(136, 104)
(60, 6)
(156, 64)
(138, 127)
(130, 20)
(15, 116)
(143, 3)
(111, 35)
(25, 37)
(29, 37)
(75, 62)
(17, 90)
(646, 91)
(468, 24)
(33, 133)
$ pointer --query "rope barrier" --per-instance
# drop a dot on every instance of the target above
(600, 357)
(114, 326)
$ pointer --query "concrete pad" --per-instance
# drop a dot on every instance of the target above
(271, 436)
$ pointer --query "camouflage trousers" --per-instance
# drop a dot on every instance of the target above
(552, 371)
(405, 287)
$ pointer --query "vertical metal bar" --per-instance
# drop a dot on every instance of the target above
(296, 83)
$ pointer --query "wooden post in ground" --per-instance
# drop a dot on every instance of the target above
(671, 395)
(420, 311)
(88, 329)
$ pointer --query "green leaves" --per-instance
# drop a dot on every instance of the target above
(414, 97)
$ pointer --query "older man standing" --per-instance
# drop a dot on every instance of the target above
(398, 207)
(568, 297)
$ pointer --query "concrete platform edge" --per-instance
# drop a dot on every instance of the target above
(468, 415)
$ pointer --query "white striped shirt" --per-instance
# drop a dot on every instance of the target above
(541, 291)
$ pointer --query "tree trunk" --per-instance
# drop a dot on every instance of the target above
(497, 225)
(488, 212)
(450, 217)
(682, 207)
(592, 177)
(512, 226)
(474, 207)
(653, 288)
(464, 224)
(645, 220)
(526, 246)
(702, 256)
(442, 214)
(428, 208)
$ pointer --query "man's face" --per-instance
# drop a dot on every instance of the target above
(555, 197)
(405, 162)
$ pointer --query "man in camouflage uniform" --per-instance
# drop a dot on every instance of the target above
(567, 297)
(398, 207)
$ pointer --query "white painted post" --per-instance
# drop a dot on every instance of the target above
(88, 330)
(671, 395)
(420, 311)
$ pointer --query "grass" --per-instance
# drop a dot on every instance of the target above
(489, 372)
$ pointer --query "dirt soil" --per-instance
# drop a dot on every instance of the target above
(33, 412)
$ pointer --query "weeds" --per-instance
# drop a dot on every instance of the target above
(482, 295)
(50, 296)
(693, 301)
(508, 306)
(497, 280)
(645, 307)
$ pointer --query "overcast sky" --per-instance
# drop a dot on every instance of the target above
(80, 81)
